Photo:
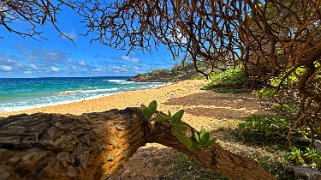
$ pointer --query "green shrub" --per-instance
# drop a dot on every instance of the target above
(306, 156)
(269, 124)
(199, 140)
(229, 81)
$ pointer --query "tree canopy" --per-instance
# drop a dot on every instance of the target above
(270, 38)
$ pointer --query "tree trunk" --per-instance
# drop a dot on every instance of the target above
(94, 145)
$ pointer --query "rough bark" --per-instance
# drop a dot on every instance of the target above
(93, 146)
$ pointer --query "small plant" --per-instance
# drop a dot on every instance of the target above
(200, 140)
(203, 139)
(296, 154)
(309, 155)
(312, 155)
(150, 110)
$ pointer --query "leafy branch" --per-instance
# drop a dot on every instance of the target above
(199, 140)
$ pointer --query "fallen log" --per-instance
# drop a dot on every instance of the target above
(94, 145)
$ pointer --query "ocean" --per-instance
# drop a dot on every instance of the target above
(28, 93)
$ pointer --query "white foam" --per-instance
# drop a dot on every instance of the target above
(56, 100)
(40, 105)
(86, 91)
(115, 80)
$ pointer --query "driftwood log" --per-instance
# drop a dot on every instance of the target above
(94, 145)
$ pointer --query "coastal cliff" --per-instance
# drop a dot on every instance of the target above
(164, 75)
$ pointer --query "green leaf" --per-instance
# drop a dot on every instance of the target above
(206, 137)
(180, 127)
(196, 137)
(162, 118)
(143, 107)
(177, 116)
(185, 140)
(153, 106)
(301, 160)
(147, 113)
(202, 135)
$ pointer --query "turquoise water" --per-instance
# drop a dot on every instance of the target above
(27, 93)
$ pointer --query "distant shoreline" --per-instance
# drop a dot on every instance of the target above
(119, 100)
(41, 106)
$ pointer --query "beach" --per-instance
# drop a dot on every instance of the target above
(206, 109)
(185, 95)
(202, 108)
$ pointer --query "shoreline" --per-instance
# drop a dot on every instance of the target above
(40, 106)
(79, 107)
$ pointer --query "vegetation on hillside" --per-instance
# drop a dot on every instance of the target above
(229, 81)
(178, 72)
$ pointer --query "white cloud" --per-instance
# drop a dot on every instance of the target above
(96, 70)
(130, 59)
(27, 72)
(72, 35)
(54, 69)
(178, 37)
(82, 63)
(33, 66)
(5, 68)
(135, 68)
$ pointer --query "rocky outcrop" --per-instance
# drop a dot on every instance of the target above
(164, 75)
(94, 145)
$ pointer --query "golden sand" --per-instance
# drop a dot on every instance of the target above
(202, 107)
(206, 109)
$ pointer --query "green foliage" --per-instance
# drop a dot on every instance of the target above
(292, 79)
(184, 139)
(304, 132)
(229, 81)
(177, 117)
(272, 126)
(296, 154)
(178, 128)
(286, 108)
(202, 139)
(150, 110)
(161, 71)
(306, 156)
(312, 155)
(265, 124)
(265, 93)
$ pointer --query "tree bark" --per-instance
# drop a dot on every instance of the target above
(94, 145)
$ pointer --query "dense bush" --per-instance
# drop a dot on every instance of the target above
(229, 81)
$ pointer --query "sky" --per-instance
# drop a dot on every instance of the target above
(56, 56)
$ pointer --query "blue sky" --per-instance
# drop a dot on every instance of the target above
(56, 56)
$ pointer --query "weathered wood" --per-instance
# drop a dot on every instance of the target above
(94, 145)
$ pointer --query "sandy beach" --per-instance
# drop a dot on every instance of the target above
(206, 109)
(180, 95)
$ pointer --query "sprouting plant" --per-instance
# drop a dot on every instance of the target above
(198, 141)
(296, 154)
(150, 110)
(312, 154)
(202, 139)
